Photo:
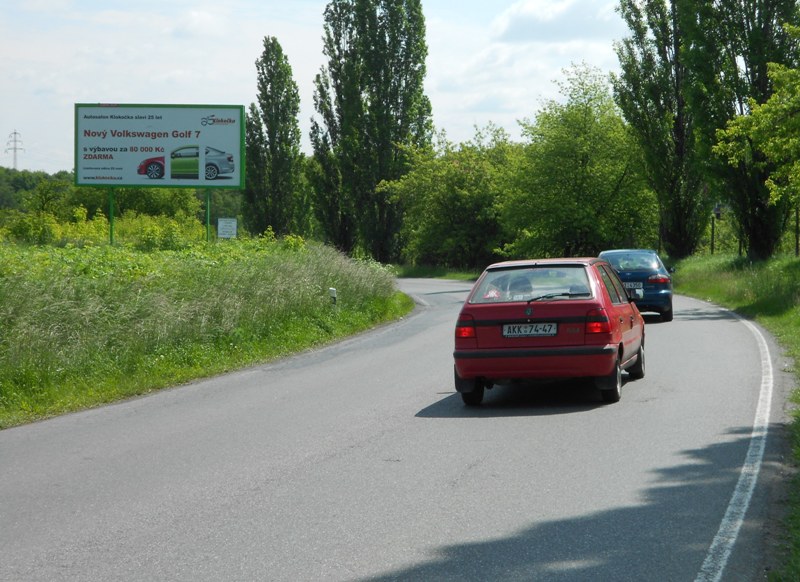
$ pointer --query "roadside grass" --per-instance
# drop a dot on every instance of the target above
(769, 293)
(427, 271)
(80, 327)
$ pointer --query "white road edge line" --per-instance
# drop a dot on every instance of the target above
(721, 547)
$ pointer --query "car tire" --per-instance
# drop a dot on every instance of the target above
(666, 315)
(154, 171)
(611, 386)
(638, 369)
(471, 390)
(473, 398)
(211, 172)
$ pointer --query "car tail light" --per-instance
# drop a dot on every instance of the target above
(597, 321)
(465, 327)
(658, 279)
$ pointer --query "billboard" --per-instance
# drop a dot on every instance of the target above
(189, 146)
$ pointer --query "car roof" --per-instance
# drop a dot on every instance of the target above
(543, 262)
(650, 251)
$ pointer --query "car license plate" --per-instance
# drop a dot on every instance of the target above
(634, 285)
(529, 329)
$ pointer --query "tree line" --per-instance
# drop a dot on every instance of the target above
(700, 117)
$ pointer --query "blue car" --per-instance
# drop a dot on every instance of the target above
(643, 269)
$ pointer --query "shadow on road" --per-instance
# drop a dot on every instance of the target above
(544, 398)
(622, 544)
(703, 314)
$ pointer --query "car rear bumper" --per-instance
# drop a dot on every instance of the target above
(508, 364)
(659, 301)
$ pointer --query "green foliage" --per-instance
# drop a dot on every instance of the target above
(451, 202)
(579, 188)
(16, 184)
(148, 201)
(82, 326)
(139, 231)
(49, 197)
(765, 289)
(371, 103)
(274, 164)
(771, 128)
(650, 91)
(428, 271)
(225, 203)
(727, 48)
(40, 228)
(148, 233)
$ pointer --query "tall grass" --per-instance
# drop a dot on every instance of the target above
(767, 291)
(79, 327)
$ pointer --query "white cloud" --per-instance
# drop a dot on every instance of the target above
(502, 68)
(560, 21)
(488, 62)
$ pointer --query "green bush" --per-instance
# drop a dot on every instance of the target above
(39, 228)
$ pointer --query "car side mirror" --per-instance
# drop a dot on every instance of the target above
(635, 294)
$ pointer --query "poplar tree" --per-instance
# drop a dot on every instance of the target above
(728, 45)
(651, 92)
(273, 144)
(772, 128)
(371, 105)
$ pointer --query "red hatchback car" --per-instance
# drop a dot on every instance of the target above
(546, 319)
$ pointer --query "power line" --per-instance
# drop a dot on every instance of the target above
(14, 144)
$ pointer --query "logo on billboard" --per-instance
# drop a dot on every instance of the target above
(214, 120)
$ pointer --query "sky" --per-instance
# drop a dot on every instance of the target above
(489, 61)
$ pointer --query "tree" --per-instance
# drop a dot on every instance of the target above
(15, 185)
(273, 145)
(255, 191)
(650, 91)
(50, 196)
(580, 187)
(728, 46)
(371, 105)
(450, 201)
(772, 128)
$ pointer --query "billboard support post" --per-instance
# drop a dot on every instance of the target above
(111, 203)
(208, 215)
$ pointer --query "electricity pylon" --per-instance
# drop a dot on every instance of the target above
(14, 144)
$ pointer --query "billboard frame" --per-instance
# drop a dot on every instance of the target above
(104, 130)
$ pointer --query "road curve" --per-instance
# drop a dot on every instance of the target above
(359, 462)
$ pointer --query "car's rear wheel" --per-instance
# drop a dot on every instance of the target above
(473, 398)
(471, 389)
(637, 370)
(666, 315)
(154, 170)
(211, 172)
(611, 386)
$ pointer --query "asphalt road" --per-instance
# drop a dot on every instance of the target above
(360, 462)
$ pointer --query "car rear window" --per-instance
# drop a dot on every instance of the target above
(633, 261)
(533, 284)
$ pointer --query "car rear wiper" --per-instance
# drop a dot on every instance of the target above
(559, 294)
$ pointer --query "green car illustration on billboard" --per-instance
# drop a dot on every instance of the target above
(185, 163)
